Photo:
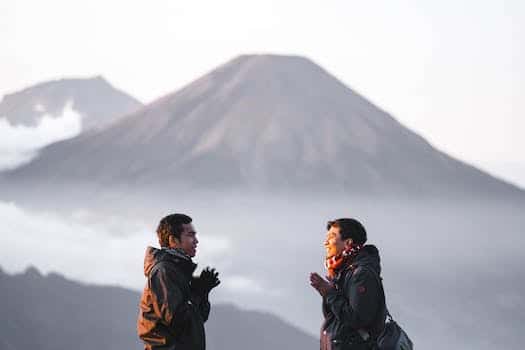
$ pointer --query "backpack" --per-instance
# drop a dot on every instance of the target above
(393, 337)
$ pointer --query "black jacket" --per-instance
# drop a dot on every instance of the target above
(357, 303)
(172, 313)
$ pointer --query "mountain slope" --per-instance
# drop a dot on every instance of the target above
(51, 312)
(265, 122)
(94, 99)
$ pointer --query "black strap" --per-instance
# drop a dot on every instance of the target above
(380, 283)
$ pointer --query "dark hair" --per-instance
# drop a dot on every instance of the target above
(349, 228)
(171, 225)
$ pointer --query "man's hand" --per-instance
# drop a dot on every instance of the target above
(320, 284)
(209, 279)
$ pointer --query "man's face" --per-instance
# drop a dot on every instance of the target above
(188, 240)
(333, 243)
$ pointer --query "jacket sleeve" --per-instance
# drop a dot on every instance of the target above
(357, 303)
(168, 300)
(201, 300)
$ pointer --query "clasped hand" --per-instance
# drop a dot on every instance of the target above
(208, 279)
(320, 284)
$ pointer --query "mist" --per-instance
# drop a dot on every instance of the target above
(452, 270)
(99, 249)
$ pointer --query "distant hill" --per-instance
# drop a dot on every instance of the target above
(260, 122)
(94, 99)
(53, 313)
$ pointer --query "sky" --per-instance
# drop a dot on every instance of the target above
(453, 71)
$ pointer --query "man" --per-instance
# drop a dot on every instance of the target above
(174, 305)
(353, 300)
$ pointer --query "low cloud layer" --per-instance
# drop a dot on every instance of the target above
(80, 250)
(446, 266)
(19, 144)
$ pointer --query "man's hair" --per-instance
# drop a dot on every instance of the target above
(349, 228)
(171, 225)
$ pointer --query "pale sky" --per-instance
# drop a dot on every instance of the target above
(453, 71)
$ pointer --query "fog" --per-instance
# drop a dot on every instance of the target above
(19, 144)
(452, 269)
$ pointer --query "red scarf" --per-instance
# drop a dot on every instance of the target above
(333, 264)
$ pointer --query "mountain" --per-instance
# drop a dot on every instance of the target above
(51, 312)
(261, 122)
(94, 99)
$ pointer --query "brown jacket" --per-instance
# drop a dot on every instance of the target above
(172, 313)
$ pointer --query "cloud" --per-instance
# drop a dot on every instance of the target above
(83, 249)
(240, 284)
(243, 284)
(19, 144)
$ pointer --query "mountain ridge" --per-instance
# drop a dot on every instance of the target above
(267, 122)
(53, 312)
(98, 102)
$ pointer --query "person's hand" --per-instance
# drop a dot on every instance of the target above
(209, 279)
(320, 284)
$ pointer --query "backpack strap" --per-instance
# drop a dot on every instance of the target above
(365, 333)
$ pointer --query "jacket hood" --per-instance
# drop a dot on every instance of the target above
(368, 256)
(174, 256)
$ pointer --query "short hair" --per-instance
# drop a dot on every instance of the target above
(349, 228)
(171, 225)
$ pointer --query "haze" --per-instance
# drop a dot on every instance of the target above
(451, 269)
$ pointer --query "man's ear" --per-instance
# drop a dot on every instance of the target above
(348, 243)
(173, 241)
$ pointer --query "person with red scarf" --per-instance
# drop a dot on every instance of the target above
(353, 303)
